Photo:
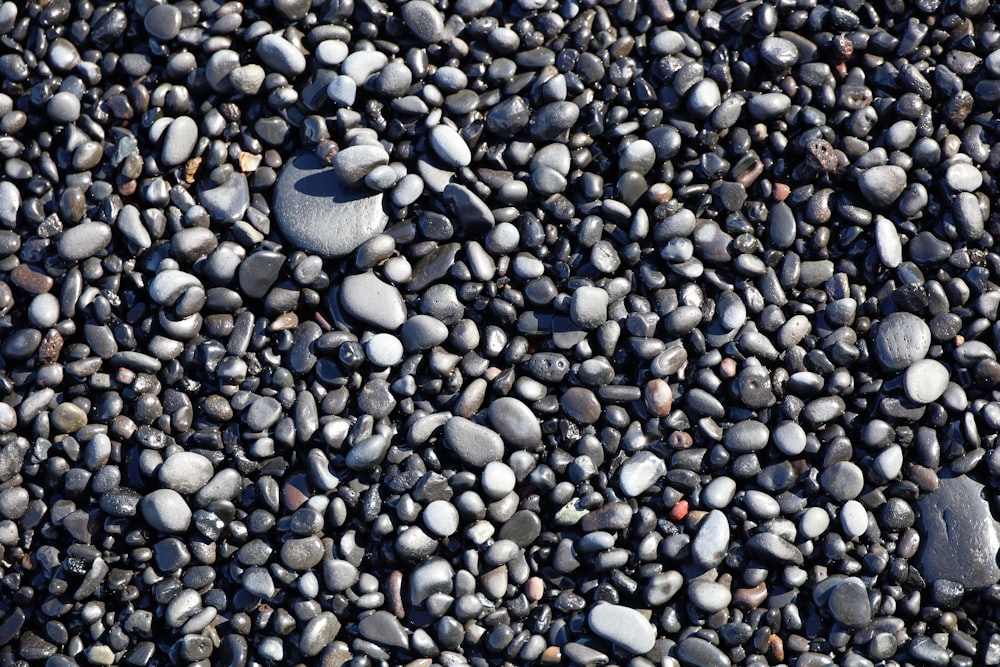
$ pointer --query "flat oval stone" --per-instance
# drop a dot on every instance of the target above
(474, 444)
(515, 422)
(84, 240)
(623, 626)
(319, 214)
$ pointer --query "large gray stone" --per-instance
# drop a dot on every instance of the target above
(960, 535)
(319, 214)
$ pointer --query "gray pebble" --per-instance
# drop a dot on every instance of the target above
(474, 444)
(882, 185)
(318, 214)
(622, 626)
(166, 511)
(369, 299)
(281, 55)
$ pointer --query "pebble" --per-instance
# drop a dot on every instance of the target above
(849, 604)
(372, 301)
(925, 381)
(882, 185)
(843, 480)
(640, 472)
(445, 140)
(623, 626)
(515, 423)
(900, 340)
(281, 55)
(711, 544)
(179, 141)
(424, 20)
(589, 307)
(316, 213)
(185, 472)
(475, 445)
(165, 510)
(163, 22)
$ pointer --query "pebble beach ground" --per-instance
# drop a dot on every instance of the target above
(431, 334)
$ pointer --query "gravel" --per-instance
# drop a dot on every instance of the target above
(474, 333)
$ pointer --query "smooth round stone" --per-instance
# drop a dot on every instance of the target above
(779, 52)
(498, 479)
(882, 185)
(515, 422)
(331, 52)
(853, 519)
(900, 340)
(925, 381)
(704, 98)
(64, 107)
(166, 511)
(424, 20)
(43, 312)
(423, 332)
(407, 190)
(789, 438)
(768, 106)
(474, 444)
(281, 55)
(163, 22)
(248, 79)
(264, 412)
(710, 546)
(318, 214)
(186, 472)
(843, 480)
(441, 518)
(889, 463)
(448, 144)
(384, 350)
(667, 42)
(718, 493)
(343, 90)
(589, 307)
(361, 65)
(83, 241)
(623, 626)
(179, 141)
(68, 418)
(581, 405)
(849, 604)
(369, 299)
(814, 522)
(640, 472)
(963, 177)
(746, 436)
(709, 596)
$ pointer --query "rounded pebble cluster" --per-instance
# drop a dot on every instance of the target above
(413, 333)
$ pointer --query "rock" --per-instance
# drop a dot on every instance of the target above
(926, 380)
(900, 340)
(166, 511)
(640, 472)
(365, 297)
(515, 422)
(317, 213)
(185, 472)
(882, 185)
(424, 20)
(622, 626)
(227, 201)
(960, 537)
(179, 141)
(474, 444)
(589, 307)
(711, 544)
(849, 604)
(83, 241)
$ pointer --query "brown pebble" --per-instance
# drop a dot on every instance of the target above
(534, 589)
(552, 655)
(29, 280)
(191, 169)
(777, 648)
(728, 368)
(750, 598)
(659, 398)
(781, 191)
(50, 347)
(396, 594)
(680, 440)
